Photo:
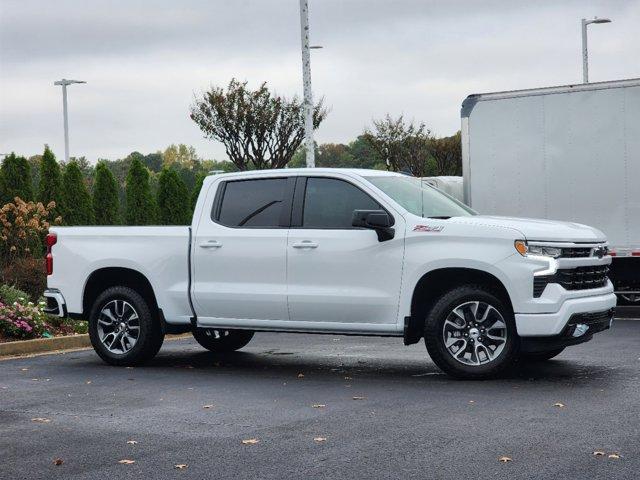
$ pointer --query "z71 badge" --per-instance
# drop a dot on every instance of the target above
(428, 228)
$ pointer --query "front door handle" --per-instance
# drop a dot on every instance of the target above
(305, 244)
(211, 244)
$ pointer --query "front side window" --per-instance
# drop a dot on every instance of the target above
(420, 198)
(253, 203)
(329, 203)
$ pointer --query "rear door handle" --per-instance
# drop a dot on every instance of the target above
(211, 244)
(305, 244)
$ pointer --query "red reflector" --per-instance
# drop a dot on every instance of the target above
(612, 253)
(51, 240)
(49, 263)
(635, 253)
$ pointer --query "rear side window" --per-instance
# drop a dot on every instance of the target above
(253, 203)
(329, 203)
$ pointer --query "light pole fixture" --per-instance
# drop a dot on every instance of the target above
(63, 83)
(585, 55)
(306, 82)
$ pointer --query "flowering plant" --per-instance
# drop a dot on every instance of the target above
(23, 320)
(23, 225)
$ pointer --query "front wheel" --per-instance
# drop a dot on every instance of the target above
(470, 333)
(122, 329)
(222, 341)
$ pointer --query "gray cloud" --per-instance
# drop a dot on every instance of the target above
(143, 61)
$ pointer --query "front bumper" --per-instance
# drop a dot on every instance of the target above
(56, 304)
(550, 324)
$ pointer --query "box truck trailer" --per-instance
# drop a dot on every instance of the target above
(565, 153)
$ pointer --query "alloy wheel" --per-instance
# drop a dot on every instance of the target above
(474, 333)
(118, 326)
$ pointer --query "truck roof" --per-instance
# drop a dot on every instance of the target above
(471, 100)
(361, 172)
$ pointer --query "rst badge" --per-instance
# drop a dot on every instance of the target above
(428, 228)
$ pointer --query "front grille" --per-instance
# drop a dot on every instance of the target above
(576, 252)
(579, 278)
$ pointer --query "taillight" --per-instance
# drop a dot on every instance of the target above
(50, 240)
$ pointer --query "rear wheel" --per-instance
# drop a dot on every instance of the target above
(122, 329)
(470, 333)
(541, 356)
(222, 341)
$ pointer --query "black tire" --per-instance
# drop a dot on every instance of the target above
(435, 342)
(541, 356)
(150, 336)
(222, 341)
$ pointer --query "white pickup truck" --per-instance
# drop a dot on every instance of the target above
(358, 252)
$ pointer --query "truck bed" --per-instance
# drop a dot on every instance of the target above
(159, 253)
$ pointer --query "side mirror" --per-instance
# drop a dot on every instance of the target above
(377, 220)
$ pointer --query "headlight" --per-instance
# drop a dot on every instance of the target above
(525, 249)
(541, 253)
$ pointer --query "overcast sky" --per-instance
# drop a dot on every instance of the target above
(144, 60)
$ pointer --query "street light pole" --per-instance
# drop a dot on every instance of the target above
(585, 54)
(306, 82)
(63, 83)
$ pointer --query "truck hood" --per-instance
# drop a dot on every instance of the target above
(538, 230)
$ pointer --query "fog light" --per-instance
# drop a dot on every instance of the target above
(580, 330)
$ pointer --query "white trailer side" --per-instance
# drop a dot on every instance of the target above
(565, 153)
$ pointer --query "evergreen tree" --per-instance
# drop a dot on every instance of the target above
(195, 193)
(76, 206)
(16, 179)
(173, 199)
(50, 187)
(106, 204)
(140, 204)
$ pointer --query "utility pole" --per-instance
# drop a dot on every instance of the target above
(306, 82)
(64, 82)
(585, 54)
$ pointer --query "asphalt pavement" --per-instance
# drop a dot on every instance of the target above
(322, 406)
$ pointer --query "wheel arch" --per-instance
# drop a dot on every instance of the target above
(438, 281)
(107, 277)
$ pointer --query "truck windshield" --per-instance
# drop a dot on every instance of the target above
(420, 198)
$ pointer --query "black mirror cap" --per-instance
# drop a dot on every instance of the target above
(377, 220)
(374, 219)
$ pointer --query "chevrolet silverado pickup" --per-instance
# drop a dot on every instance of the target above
(340, 251)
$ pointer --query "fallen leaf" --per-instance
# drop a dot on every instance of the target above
(301, 375)
(318, 405)
(472, 401)
(88, 382)
(58, 461)
(126, 461)
(35, 379)
(132, 442)
(559, 405)
(180, 466)
(614, 456)
(40, 420)
(208, 406)
(250, 441)
(504, 459)
(24, 369)
(358, 398)
(320, 439)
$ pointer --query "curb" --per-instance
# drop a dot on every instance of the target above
(56, 344)
(39, 345)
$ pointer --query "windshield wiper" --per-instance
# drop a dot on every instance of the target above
(441, 217)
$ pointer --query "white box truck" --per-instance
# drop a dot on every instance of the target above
(565, 153)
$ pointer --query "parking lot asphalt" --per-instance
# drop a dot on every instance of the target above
(322, 406)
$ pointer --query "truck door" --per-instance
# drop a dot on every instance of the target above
(239, 252)
(338, 273)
